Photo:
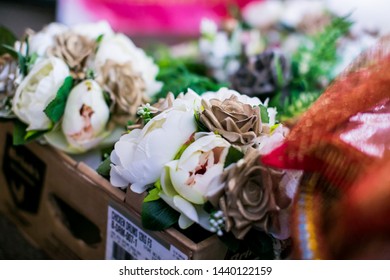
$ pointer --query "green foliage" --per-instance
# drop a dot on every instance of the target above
(179, 74)
(200, 126)
(21, 136)
(7, 38)
(299, 103)
(261, 244)
(312, 69)
(56, 108)
(153, 195)
(233, 156)
(104, 168)
(264, 114)
(157, 215)
(316, 59)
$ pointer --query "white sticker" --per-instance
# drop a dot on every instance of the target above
(126, 241)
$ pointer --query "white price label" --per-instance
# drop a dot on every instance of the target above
(127, 241)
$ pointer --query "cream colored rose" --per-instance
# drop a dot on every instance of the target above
(37, 90)
(186, 181)
(86, 116)
(121, 49)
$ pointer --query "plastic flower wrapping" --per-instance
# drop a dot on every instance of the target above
(342, 143)
(197, 159)
(75, 87)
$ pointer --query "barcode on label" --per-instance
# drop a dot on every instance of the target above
(128, 241)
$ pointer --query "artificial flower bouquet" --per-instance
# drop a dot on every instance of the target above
(197, 158)
(288, 51)
(75, 87)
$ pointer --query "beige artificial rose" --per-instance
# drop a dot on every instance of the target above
(237, 122)
(8, 70)
(126, 88)
(7, 74)
(161, 105)
(250, 197)
(74, 49)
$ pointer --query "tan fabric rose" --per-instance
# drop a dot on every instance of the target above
(7, 74)
(251, 197)
(8, 70)
(237, 122)
(126, 88)
(161, 105)
(74, 49)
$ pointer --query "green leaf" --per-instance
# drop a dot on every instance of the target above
(200, 126)
(260, 244)
(230, 241)
(19, 133)
(22, 62)
(34, 134)
(179, 74)
(184, 147)
(10, 50)
(21, 136)
(99, 38)
(6, 38)
(208, 207)
(233, 156)
(104, 168)
(152, 195)
(157, 215)
(56, 108)
(31, 60)
(264, 114)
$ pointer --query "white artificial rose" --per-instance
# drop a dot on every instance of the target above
(85, 117)
(295, 11)
(37, 90)
(208, 28)
(225, 93)
(139, 157)
(185, 182)
(41, 41)
(121, 49)
(266, 143)
(263, 14)
(93, 30)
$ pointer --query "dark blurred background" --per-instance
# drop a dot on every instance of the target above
(17, 14)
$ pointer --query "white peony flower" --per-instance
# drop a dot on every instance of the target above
(93, 30)
(296, 10)
(266, 143)
(37, 90)
(185, 182)
(41, 41)
(208, 28)
(200, 163)
(121, 49)
(86, 116)
(225, 93)
(139, 157)
(263, 14)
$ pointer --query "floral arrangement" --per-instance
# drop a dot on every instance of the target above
(197, 157)
(75, 87)
(287, 51)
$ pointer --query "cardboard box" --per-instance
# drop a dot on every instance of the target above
(45, 193)
(65, 208)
